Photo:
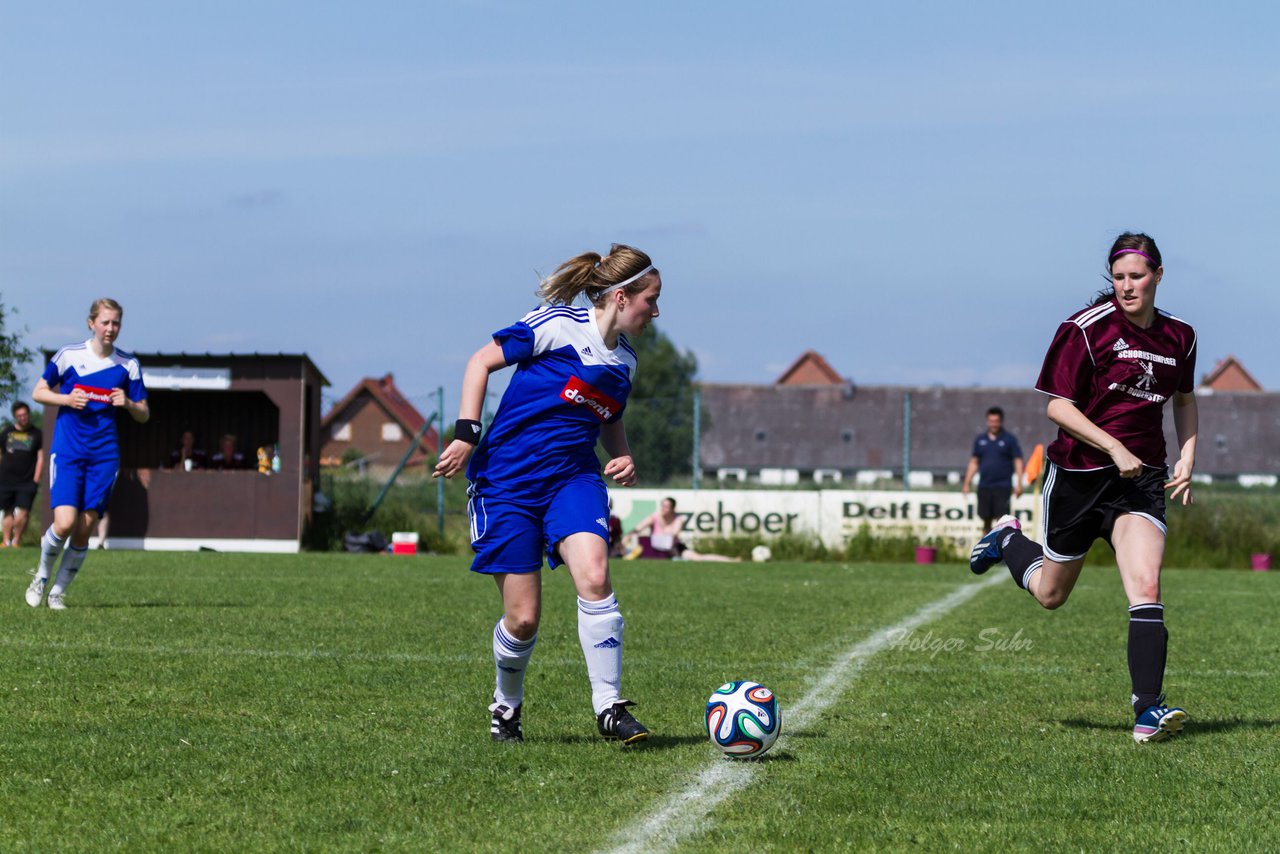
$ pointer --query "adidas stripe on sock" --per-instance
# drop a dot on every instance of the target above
(1148, 650)
(600, 633)
(510, 658)
(1023, 556)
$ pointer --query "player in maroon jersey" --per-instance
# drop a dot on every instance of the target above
(1108, 374)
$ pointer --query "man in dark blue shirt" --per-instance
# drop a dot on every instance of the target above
(997, 460)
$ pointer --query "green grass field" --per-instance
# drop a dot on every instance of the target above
(211, 702)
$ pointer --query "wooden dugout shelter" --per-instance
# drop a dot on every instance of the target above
(264, 400)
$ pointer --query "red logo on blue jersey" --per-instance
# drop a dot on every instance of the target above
(102, 395)
(580, 393)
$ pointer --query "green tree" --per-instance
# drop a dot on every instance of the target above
(659, 414)
(13, 355)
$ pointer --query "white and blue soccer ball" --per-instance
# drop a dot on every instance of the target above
(743, 719)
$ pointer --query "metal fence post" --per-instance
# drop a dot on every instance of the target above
(697, 438)
(439, 451)
(906, 441)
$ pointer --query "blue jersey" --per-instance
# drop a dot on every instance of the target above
(90, 433)
(567, 383)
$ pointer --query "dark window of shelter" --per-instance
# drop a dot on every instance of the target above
(250, 416)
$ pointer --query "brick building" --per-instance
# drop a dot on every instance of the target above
(378, 422)
(807, 428)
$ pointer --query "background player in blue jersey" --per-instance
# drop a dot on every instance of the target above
(536, 488)
(89, 383)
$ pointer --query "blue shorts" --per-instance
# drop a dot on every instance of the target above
(514, 536)
(80, 483)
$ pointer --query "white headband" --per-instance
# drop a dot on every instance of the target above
(626, 282)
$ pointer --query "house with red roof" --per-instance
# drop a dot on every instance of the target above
(1229, 375)
(810, 369)
(379, 423)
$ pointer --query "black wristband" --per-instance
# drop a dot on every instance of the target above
(466, 430)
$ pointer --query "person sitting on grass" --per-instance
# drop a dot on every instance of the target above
(663, 527)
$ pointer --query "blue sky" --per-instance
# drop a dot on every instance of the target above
(921, 191)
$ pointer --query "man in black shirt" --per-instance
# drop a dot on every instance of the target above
(21, 464)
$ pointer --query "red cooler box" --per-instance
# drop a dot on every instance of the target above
(404, 543)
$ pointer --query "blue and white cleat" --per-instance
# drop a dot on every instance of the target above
(987, 553)
(1159, 723)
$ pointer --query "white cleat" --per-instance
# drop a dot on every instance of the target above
(35, 592)
(55, 602)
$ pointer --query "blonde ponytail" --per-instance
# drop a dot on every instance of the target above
(593, 274)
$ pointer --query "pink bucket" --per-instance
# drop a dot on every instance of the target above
(1260, 562)
(926, 554)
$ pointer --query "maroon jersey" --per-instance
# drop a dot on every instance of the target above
(1119, 376)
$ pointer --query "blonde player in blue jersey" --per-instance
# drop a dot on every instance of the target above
(536, 487)
(89, 383)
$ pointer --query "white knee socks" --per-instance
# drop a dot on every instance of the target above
(510, 657)
(72, 557)
(50, 547)
(600, 633)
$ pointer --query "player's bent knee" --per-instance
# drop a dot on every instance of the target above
(592, 577)
(595, 589)
(521, 626)
(1052, 600)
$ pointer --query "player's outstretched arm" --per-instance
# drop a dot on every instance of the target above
(475, 382)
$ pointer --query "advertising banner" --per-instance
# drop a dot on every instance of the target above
(830, 515)
(940, 517)
(724, 513)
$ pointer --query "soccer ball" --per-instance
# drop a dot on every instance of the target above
(761, 554)
(743, 719)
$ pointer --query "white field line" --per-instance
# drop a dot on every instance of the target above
(685, 811)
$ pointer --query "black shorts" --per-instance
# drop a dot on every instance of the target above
(21, 495)
(1082, 506)
(993, 502)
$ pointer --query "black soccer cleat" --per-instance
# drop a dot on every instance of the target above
(617, 722)
(505, 724)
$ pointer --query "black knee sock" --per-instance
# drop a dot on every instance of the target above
(1148, 647)
(1022, 555)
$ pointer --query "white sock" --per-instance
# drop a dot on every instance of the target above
(72, 557)
(600, 633)
(50, 547)
(510, 658)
